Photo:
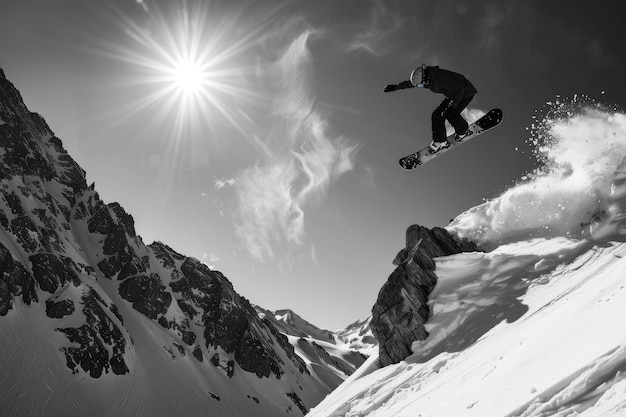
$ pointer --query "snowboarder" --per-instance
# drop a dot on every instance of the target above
(459, 92)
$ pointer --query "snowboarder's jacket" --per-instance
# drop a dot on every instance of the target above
(454, 86)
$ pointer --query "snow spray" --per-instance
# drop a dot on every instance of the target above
(579, 189)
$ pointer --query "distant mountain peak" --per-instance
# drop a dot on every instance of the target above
(291, 323)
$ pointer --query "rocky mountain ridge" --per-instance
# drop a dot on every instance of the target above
(164, 332)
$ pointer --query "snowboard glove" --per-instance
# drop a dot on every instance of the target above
(390, 87)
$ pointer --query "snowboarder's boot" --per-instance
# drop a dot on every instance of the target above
(437, 146)
(459, 137)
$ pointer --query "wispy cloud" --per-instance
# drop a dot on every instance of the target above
(384, 23)
(492, 26)
(305, 158)
(210, 259)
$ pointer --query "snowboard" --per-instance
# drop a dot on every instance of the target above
(485, 123)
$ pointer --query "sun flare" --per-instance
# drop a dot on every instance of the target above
(192, 66)
(188, 77)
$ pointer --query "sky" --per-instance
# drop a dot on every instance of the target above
(255, 135)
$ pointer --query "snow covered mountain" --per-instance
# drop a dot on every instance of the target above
(532, 325)
(93, 322)
(291, 323)
(328, 359)
(358, 336)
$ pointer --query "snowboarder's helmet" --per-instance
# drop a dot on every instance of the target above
(417, 76)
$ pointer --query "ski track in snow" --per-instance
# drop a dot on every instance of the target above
(578, 391)
(533, 327)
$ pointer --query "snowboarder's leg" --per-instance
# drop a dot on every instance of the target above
(439, 121)
(439, 127)
(456, 120)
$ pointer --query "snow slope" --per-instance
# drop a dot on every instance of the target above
(533, 326)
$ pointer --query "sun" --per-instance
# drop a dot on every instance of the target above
(191, 75)
(188, 77)
(187, 58)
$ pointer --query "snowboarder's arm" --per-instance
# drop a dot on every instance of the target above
(394, 87)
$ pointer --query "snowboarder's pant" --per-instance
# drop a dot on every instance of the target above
(445, 112)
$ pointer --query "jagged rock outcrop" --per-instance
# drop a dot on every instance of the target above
(399, 315)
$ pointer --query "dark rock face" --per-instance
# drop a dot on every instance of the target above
(59, 309)
(120, 242)
(399, 315)
(229, 321)
(15, 281)
(147, 294)
(92, 341)
(298, 402)
(52, 271)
